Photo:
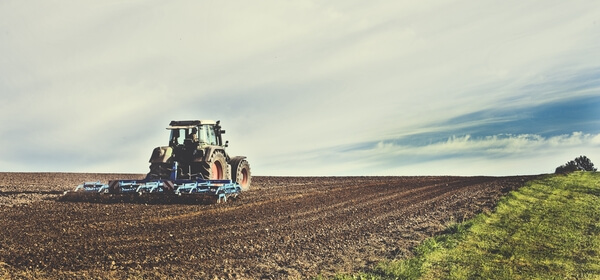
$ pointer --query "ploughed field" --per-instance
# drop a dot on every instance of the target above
(284, 227)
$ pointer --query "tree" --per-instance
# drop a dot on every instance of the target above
(585, 164)
(582, 163)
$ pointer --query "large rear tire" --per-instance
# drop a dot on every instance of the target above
(240, 172)
(216, 167)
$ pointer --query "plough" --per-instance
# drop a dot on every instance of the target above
(172, 190)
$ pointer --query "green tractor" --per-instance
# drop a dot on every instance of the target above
(196, 151)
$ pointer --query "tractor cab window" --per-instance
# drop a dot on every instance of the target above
(174, 138)
(207, 135)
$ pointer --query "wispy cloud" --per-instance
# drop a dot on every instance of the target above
(490, 146)
(457, 155)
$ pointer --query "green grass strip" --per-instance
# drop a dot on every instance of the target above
(548, 229)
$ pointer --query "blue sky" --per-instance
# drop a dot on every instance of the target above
(303, 87)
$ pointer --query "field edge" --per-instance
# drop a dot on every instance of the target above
(546, 229)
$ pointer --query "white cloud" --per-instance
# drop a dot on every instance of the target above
(500, 145)
(464, 155)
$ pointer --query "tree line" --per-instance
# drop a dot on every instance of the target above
(581, 163)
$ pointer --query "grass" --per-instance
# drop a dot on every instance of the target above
(548, 229)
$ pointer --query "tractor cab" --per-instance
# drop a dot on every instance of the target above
(197, 133)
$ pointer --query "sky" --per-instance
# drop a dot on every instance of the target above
(303, 88)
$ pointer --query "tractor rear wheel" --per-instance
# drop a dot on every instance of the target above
(216, 167)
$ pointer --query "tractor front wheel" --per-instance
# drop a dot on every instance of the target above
(159, 170)
(240, 172)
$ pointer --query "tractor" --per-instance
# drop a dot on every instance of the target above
(194, 167)
(196, 151)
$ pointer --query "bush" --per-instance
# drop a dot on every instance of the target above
(581, 163)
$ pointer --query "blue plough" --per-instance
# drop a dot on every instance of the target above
(171, 190)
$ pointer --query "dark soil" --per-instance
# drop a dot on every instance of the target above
(283, 228)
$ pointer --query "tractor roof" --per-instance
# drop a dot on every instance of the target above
(189, 124)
